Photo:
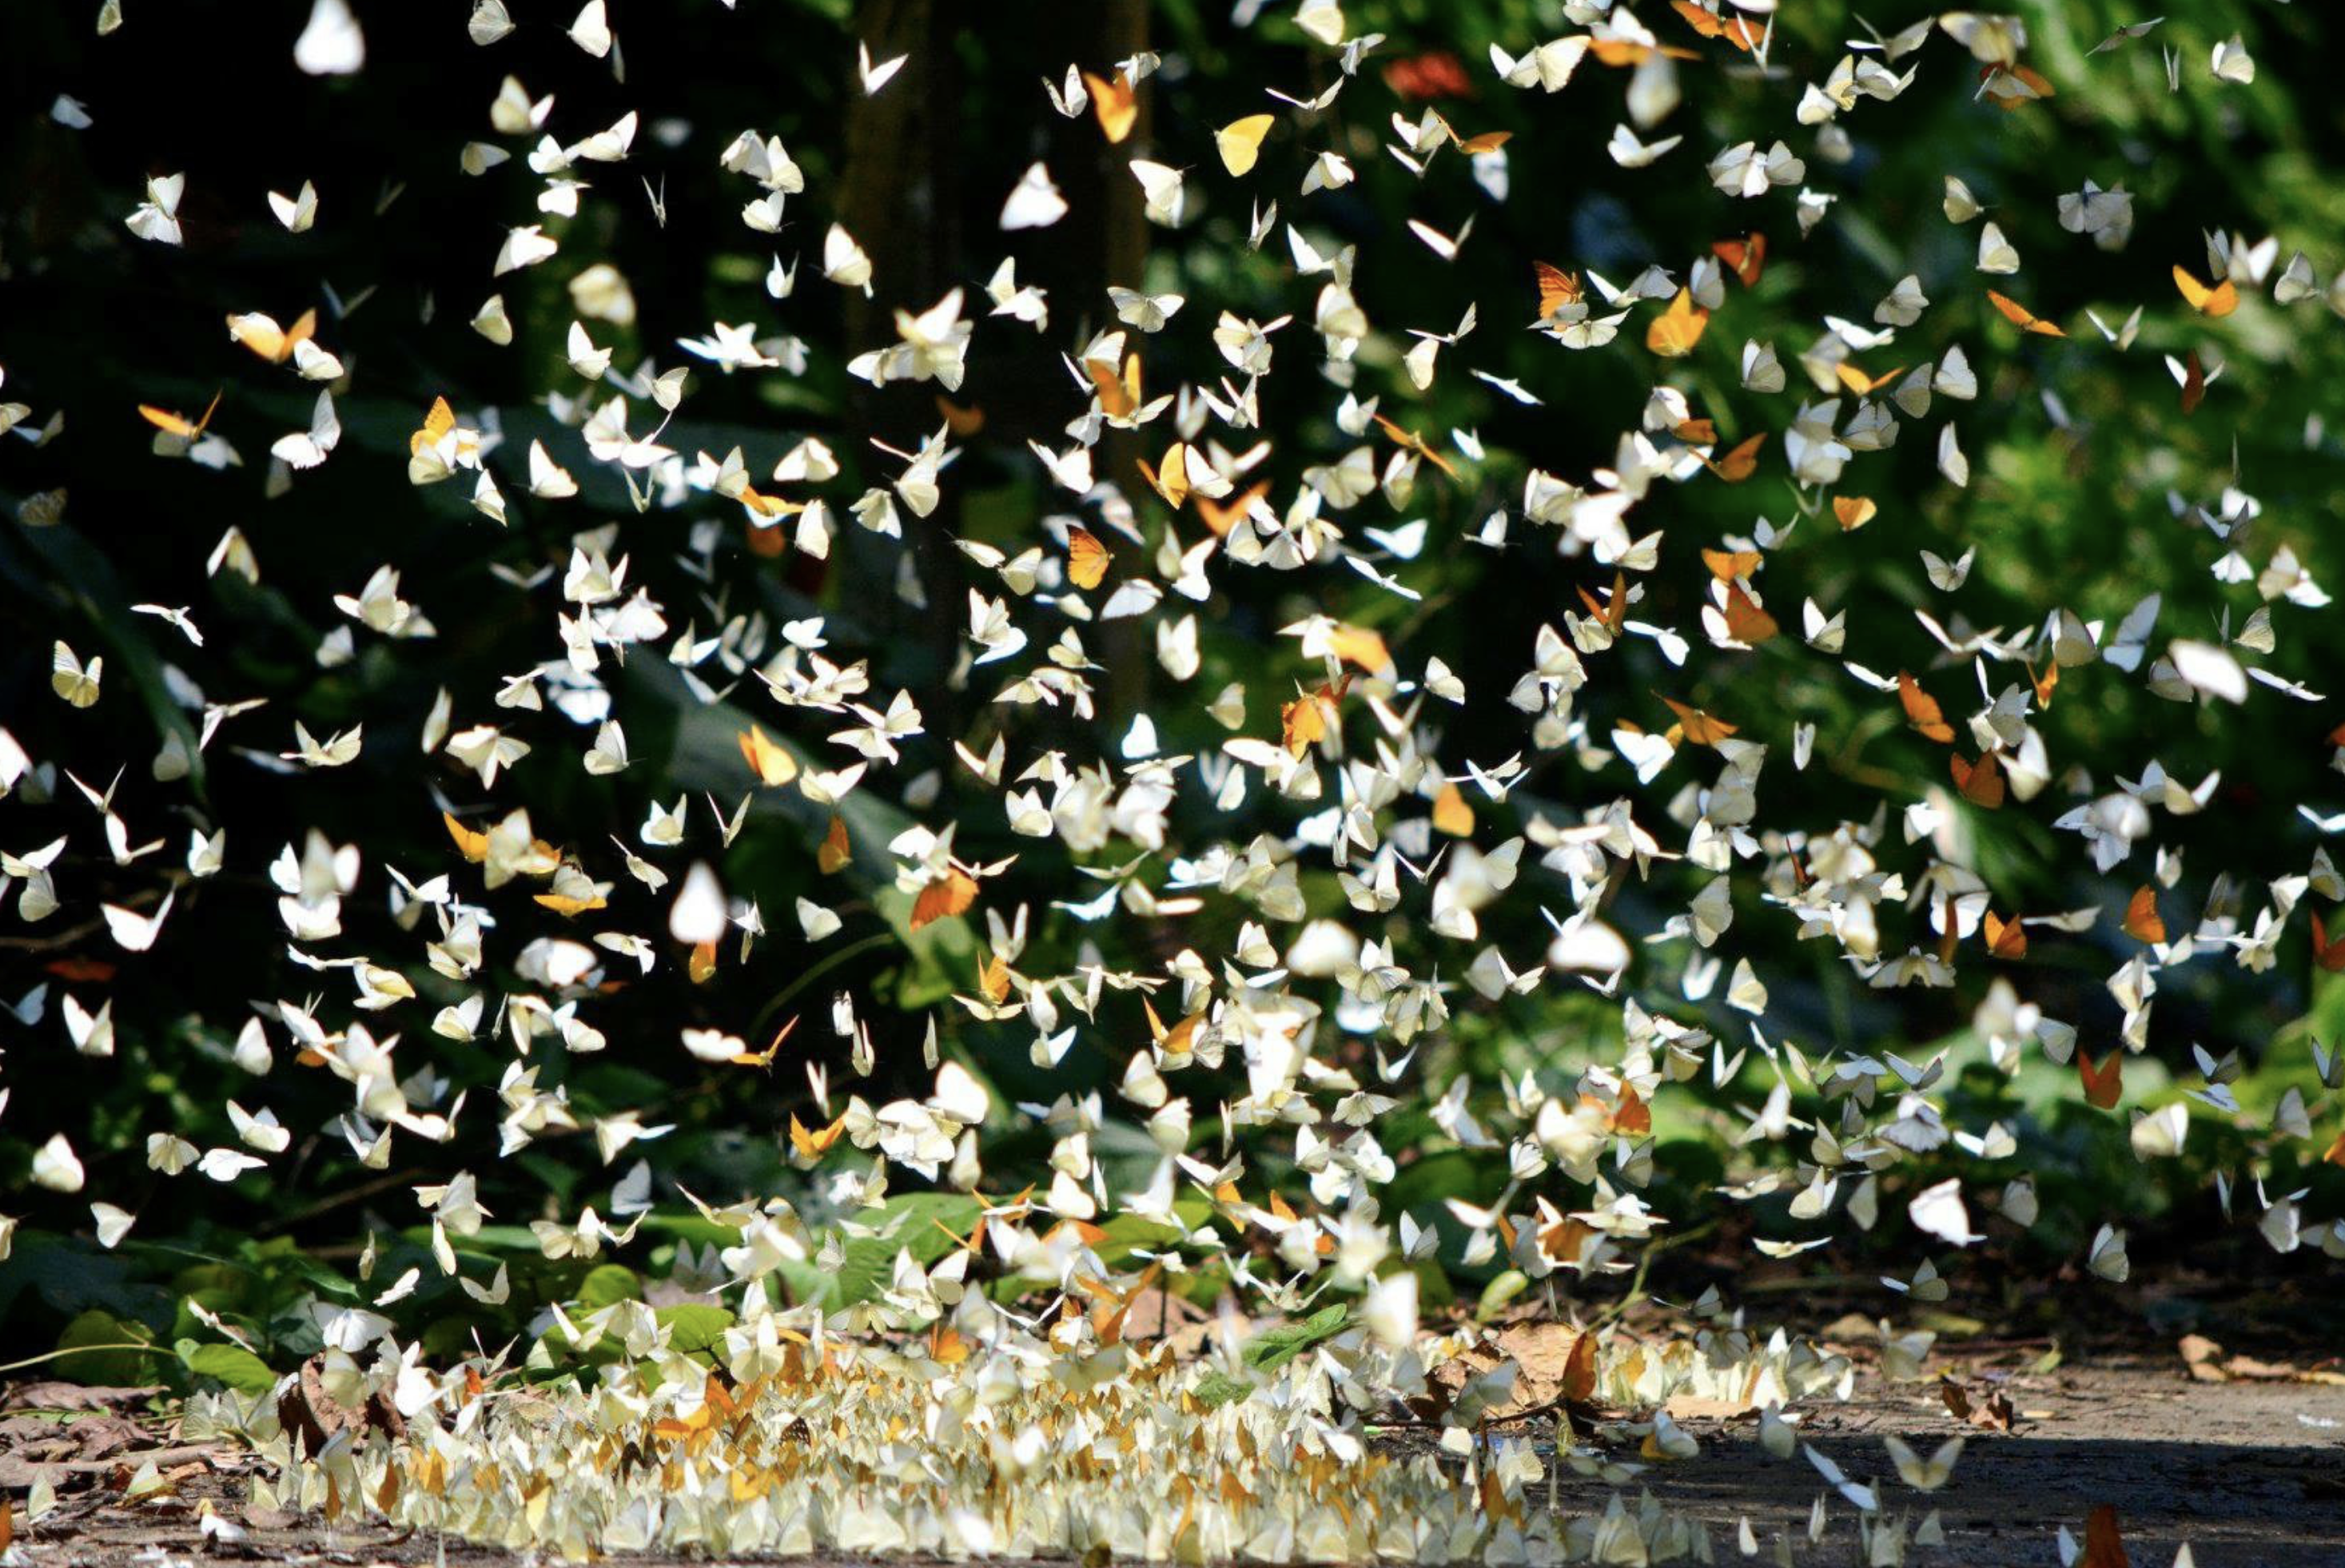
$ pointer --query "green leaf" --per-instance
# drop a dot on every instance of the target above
(694, 1327)
(607, 1285)
(234, 1365)
(917, 1222)
(115, 1367)
(1273, 1347)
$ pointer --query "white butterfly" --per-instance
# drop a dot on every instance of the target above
(158, 217)
(132, 931)
(1921, 1474)
(308, 449)
(69, 677)
(591, 30)
(1035, 203)
(876, 76)
(296, 213)
(332, 45)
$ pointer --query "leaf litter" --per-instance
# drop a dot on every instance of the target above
(851, 1376)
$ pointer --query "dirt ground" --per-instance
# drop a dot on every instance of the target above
(2249, 1473)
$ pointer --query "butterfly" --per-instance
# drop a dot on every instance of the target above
(179, 425)
(1676, 330)
(1409, 440)
(876, 76)
(1557, 287)
(2330, 955)
(1087, 558)
(1922, 711)
(2005, 938)
(1737, 31)
(2142, 922)
(1925, 1474)
(1116, 104)
(1853, 511)
(2104, 1083)
(1979, 783)
(773, 764)
(1240, 142)
(1741, 460)
(1746, 622)
(1863, 385)
(1746, 258)
(2019, 315)
(1698, 728)
(952, 894)
(72, 680)
(2216, 302)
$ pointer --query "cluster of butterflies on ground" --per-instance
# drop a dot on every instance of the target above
(1339, 770)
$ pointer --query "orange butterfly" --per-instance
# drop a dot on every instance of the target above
(438, 420)
(810, 1143)
(1613, 612)
(2194, 385)
(1118, 395)
(1698, 728)
(836, 851)
(1747, 257)
(2045, 684)
(1853, 511)
(1710, 25)
(2013, 88)
(1745, 622)
(179, 425)
(2021, 317)
(1409, 440)
(993, 979)
(1453, 816)
(1302, 722)
(2216, 302)
(1863, 385)
(2104, 1547)
(1979, 783)
(472, 846)
(2141, 919)
(951, 895)
(1739, 462)
(264, 337)
(1172, 481)
(771, 761)
(1220, 516)
(2005, 938)
(1922, 713)
(1486, 142)
(1696, 432)
(1676, 330)
(2103, 1085)
(1557, 287)
(960, 421)
(1619, 53)
(2330, 955)
(1087, 558)
(1362, 647)
(1116, 102)
(764, 1058)
(1726, 565)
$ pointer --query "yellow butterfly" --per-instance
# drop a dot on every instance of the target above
(1676, 330)
(1240, 142)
